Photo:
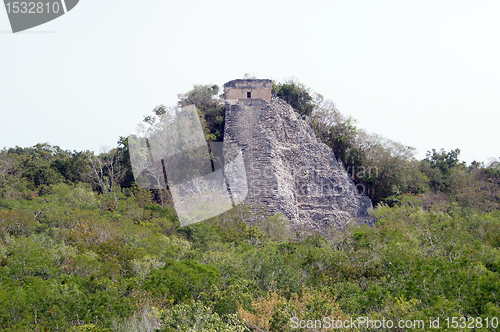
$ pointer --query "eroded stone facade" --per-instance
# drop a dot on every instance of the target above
(289, 171)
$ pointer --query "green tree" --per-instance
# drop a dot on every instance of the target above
(438, 165)
(211, 113)
(296, 94)
(202, 96)
(182, 281)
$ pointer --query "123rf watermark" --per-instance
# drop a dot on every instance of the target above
(366, 323)
(25, 15)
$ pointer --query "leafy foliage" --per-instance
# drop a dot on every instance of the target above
(296, 94)
(79, 256)
(67, 263)
(211, 113)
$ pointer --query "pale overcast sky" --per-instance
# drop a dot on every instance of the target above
(423, 73)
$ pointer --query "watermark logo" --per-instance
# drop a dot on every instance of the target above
(25, 15)
(205, 180)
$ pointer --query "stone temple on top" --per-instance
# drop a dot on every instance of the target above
(248, 89)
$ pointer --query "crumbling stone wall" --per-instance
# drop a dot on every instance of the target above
(289, 170)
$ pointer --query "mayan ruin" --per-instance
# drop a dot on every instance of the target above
(289, 171)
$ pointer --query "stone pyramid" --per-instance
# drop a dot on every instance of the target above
(289, 171)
